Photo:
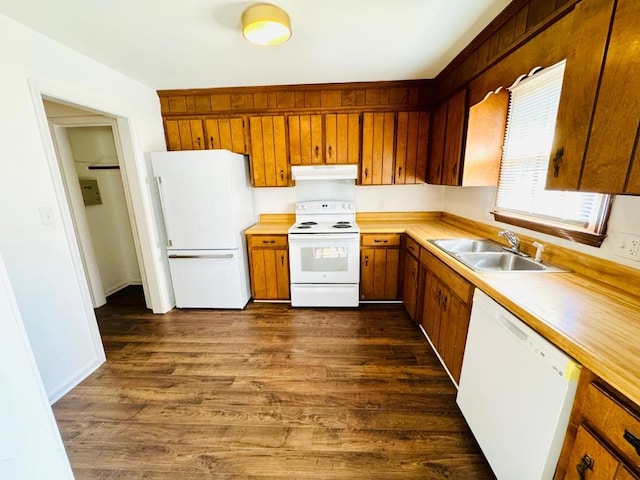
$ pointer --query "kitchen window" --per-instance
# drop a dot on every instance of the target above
(521, 197)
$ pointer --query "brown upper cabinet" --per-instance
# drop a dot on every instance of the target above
(330, 138)
(412, 142)
(269, 167)
(225, 133)
(447, 137)
(342, 137)
(184, 134)
(394, 148)
(466, 143)
(595, 148)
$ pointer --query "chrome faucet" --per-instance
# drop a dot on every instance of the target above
(513, 240)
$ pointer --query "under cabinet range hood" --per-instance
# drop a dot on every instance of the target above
(324, 172)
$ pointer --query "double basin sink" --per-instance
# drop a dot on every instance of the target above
(488, 256)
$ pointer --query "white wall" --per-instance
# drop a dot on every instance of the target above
(41, 258)
(477, 202)
(388, 198)
(30, 444)
(109, 222)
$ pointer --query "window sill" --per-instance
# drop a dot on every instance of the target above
(566, 233)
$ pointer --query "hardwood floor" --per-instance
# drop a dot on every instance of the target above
(269, 392)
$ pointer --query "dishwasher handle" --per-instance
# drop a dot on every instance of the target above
(509, 325)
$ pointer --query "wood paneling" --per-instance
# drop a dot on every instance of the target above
(264, 393)
(406, 94)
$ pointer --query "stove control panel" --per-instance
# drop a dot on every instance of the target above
(327, 207)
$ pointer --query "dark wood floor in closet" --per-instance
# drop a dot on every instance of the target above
(269, 392)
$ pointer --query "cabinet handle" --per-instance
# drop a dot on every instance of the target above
(316, 151)
(366, 261)
(282, 260)
(268, 241)
(585, 464)
(378, 240)
(411, 247)
(366, 172)
(282, 174)
(633, 440)
(444, 303)
(399, 171)
(211, 142)
(557, 161)
(330, 150)
(454, 170)
(438, 294)
(198, 141)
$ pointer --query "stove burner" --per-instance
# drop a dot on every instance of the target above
(342, 225)
(308, 223)
(303, 226)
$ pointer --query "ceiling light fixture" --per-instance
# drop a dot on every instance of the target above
(266, 24)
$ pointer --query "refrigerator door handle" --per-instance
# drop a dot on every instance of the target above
(222, 255)
(165, 219)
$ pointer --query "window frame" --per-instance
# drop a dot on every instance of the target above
(552, 227)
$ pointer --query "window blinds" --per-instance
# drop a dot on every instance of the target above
(533, 108)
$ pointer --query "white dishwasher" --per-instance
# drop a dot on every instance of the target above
(516, 392)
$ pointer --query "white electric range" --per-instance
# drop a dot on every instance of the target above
(324, 255)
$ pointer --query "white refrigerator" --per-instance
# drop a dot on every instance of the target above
(207, 203)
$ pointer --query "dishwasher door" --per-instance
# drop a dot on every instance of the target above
(516, 392)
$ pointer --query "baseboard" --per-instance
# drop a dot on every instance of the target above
(59, 392)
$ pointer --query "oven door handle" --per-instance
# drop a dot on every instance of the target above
(314, 237)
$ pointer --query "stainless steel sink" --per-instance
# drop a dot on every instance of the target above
(465, 245)
(487, 256)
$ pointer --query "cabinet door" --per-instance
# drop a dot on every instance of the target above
(412, 139)
(379, 273)
(269, 274)
(454, 139)
(269, 166)
(436, 144)
(453, 333)
(225, 133)
(581, 77)
(184, 134)
(305, 139)
(432, 311)
(485, 139)
(410, 285)
(342, 138)
(611, 164)
(591, 458)
(377, 148)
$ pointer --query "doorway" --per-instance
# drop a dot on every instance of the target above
(88, 154)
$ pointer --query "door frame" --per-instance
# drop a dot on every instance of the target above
(83, 234)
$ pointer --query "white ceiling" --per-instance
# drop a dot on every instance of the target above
(172, 44)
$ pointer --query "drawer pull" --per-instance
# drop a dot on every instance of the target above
(633, 440)
(268, 241)
(377, 240)
(585, 464)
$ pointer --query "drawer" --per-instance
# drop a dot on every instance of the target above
(412, 246)
(613, 422)
(267, 241)
(380, 239)
(589, 455)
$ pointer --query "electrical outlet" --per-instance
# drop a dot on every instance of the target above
(628, 246)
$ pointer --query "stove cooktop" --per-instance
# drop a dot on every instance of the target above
(324, 226)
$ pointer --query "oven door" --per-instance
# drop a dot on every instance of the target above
(324, 258)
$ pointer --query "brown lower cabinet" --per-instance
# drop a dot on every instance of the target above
(446, 310)
(269, 267)
(411, 277)
(379, 266)
(606, 445)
